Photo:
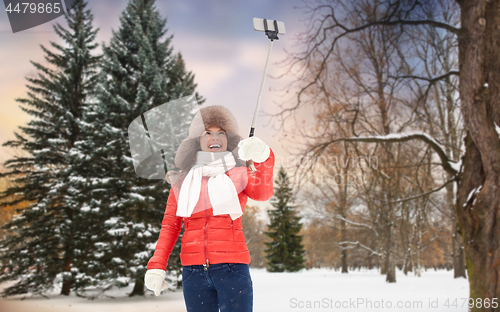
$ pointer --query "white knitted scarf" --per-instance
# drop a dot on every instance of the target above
(221, 190)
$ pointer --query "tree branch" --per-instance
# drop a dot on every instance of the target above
(363, 246)
(431, 80)
(432, 23)
(445, 161)
(337, 216)
(423, 194)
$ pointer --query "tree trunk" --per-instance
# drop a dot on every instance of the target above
(478, 207)
(138, 287)
(456, 237)
(66, 287)
(408, 265)
(390, 275)
(418, 268)
(344, 208)
(458, 253)
(343, 234)
(68, 260)
(383, 266)
(344, 261)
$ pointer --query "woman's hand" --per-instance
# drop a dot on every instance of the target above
(254, 149)
(155, 280)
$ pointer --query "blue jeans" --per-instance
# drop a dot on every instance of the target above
(224, 286)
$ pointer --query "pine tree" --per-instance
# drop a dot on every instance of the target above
(139, 72)
(285, 250)
(45, 237)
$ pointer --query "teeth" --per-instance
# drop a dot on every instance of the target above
(215, 145)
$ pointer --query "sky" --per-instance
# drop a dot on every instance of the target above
(216, 39)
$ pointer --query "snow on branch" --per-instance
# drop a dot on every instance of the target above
(373, 252)
(446, 163)
(339, 217)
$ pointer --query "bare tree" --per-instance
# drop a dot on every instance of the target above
(478, 176)
(334, 196)
(437, 106)
(358, 96)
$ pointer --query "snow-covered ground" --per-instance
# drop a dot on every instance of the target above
(312, 290)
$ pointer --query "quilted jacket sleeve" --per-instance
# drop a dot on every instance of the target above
(169, 233)
(260, 183)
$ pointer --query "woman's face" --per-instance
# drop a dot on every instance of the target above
(213, 140)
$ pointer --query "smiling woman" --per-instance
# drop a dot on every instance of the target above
(214, 139)
(209, 195)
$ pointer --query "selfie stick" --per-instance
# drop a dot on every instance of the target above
(272, 35)
(261, 25)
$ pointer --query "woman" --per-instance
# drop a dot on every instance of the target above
(210, 194)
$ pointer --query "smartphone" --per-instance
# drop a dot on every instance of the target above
(258, 24)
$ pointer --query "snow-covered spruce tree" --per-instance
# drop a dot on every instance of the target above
(139, 72)
(47, 236)
(285, 250)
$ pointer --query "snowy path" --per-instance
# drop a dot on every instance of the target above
(313, 290)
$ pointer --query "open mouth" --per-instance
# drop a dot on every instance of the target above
(214, 147)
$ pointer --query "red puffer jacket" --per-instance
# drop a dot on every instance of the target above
(210, 239)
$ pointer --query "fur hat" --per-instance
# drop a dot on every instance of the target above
(207, 117)
(211, 116)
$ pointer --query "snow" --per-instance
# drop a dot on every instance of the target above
(497, 128)
(405, 135)
(77, 153)
(112, 129)
(56, 141)
(471, 193)
(111, 142)
(322, 288)
(113, 220)
(121, 231)
(151, 246)
(128, 159)
(45, 150)
(100, 180)
(142, 255)
(137, 196)
(117, 260)
(456, 165)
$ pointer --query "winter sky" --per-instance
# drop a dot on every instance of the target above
(216, 39)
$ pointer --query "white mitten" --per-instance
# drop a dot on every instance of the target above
(155, 280)
(254, 149)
